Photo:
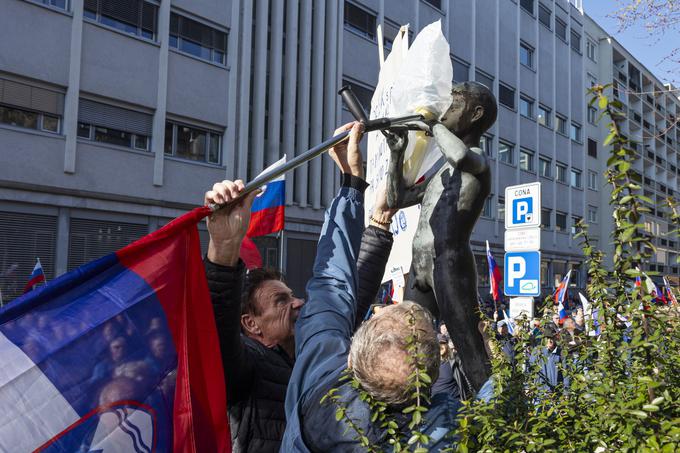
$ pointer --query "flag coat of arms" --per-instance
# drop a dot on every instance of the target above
(121, 354)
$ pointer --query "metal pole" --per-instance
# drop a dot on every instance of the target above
(289, 165)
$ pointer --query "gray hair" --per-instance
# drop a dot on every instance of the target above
(379, 357)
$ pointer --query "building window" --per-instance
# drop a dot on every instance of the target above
(117, 126)
(61, 4)
(112, 136)
(592, 214)
(528, 6)
(501, 209)
(363, 94)
(576, 178)
(506, 152)
(575, 132)
(134, 17)
(544, 15)
(544, 167)
(592, 180)
(574, 224)
(592, 148)
(484, 79)
(526, 160)
(560, 221)
(526, 107)
(561, 173)
(486, 144)
(544, 116)
(488, 203)
(546, 214)
(506, 96)
(575, 41)
(561, 124)
(461, 71)
(561, 29)
(592, 115)
(591, 48)
(436, 3)
(192, 143)
(198, 39)
(526, 55)
(359, 20)
(28, 119)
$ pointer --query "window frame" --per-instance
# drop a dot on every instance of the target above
(123, 26)
(548, 116)
(177, 41)
(530, 154)
(591, 50)
(525, 100)
(592, 115)
(523, 6)
(576, 132)
(575, 37)
(576, 178)
(486, 144)
(93, 137)
(592, 214)
(370, 33)
(482, 74)
(561, 23)
(488, 206)
(39, 119)
(544, 8)
(510, 152)
(546, 218)
(588, 148)
(559, 228)
(560, 166)
(209, 137)
(592, 180)
(529, 52)
(561, 120)
(503, 86)
(548, 166)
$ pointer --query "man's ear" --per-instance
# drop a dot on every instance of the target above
(477, 114)
(250, 326)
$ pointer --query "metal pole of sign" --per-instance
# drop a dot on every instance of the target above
(282, 242)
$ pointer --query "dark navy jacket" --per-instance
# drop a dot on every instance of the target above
(323, 336)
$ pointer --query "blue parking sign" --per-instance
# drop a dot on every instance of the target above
(522, 274)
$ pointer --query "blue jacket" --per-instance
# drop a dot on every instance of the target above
(323, 336)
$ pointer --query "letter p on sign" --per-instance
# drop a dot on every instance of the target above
(516, 269)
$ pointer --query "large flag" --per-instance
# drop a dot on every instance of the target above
(670, 297)
(561, 295)
(37, 276)
(268, 210)
(510, 323)
(494, 275)
(121, 354)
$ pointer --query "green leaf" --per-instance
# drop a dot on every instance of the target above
(609, 138)
(639, 413)
(650, 407)
(602, 102)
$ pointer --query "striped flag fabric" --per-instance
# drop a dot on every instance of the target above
(670, 297)
(120, 354)
(561, 294)
(494, 275)
(37, 277)
(268, 210)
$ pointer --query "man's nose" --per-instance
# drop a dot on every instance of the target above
(297, 303)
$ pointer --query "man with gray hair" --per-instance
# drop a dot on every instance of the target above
(377, 358)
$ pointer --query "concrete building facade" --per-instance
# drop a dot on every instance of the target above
(117, 115)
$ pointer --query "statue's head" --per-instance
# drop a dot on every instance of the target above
(473, 110)
(379, 354)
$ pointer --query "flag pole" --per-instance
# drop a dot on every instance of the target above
(281, 245)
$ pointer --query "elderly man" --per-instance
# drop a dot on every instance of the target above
(377, 356)
(255, 317)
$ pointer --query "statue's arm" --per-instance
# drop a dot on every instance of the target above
(456, 152)
(398, 195)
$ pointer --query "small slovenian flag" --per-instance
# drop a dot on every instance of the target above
(561, 294)
(37, 276)
(670, 297)
(494, 274)
(268, 210)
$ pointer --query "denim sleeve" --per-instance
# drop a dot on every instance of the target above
(326, 322)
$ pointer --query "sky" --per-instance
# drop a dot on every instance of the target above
(650, 51)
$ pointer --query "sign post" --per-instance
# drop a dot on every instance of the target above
(522, 276)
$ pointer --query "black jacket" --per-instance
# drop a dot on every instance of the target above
(375, 248)
(256, 376)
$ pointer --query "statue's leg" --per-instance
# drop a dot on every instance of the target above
(420, 294)
(455, 282)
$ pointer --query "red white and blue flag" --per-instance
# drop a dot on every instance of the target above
(121, 354)
(494, 275)
(37, 276)
(561, 295)
(670, 297)
(268, 210)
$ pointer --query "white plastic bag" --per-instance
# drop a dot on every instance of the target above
(423, 85)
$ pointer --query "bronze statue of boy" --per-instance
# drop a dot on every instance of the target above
(443, 275)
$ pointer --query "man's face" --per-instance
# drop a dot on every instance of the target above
(159, 347)
(117, 348)
(550, 344)
(279, 310)
(443, 349)
(456, 118)
(556, 318)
